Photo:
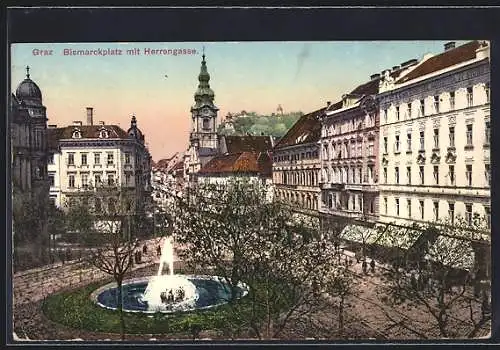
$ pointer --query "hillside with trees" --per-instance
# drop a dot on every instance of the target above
(245, 123)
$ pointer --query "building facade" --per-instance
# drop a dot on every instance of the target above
(90, 159)
(296, 164)
(435, 137)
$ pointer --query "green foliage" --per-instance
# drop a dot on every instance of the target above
(255, 124)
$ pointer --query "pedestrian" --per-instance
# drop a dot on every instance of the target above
(372, 265)
(145, 249)
(68, 254)
(158, 251)
(365, 267)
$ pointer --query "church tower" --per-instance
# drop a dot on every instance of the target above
(203, 134)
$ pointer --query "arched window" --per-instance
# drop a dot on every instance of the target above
(206, 123)
(76, 134)
(103, 134)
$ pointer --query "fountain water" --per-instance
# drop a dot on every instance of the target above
(170, 291)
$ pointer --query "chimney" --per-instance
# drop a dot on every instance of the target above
(395, 68)
(328, 103)
(449, 45)
(101, 122)
(77, 123)
(90, 116)
(374, 76)
(409, 63)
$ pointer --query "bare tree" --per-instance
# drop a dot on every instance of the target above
(108, 232)
(439, 284)
(244, 238)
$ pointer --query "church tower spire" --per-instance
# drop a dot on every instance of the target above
(204, 112)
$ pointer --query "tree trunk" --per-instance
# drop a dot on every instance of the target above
(120, 309)
(341, 316)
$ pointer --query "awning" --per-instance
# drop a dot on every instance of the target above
(398, 237)
(452, 252)
(360, 234)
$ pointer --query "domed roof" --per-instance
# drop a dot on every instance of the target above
(28, 90)
(134, 131)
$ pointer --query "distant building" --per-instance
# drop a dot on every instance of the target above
(89, 159)
(296, 163)
(435, 138)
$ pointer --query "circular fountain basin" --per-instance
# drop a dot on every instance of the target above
(142, 295)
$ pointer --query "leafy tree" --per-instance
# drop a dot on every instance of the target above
(244, 239)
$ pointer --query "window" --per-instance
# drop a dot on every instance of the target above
(421, 208)
(385, 175)
(451, 174)
(436, 104)
(103, 134)
(452, 136)
(206, 123)
(110, 159)
(408, 138)
(451, 212)
(111, 179)
(487, 174)
(84, 158)
(408, 207)
(468, 174)
(111, 205)
(50, 159)
(97, 205)
(408, 174)
(487, 91)
(71, 159)
(127, 158)
(397, 113)
(397, 206)
(97, 179)
(85, 180)
(470, 97)
(52, 180)
(468, 213)
(436, 175)
(71, 181)
(397, 144)
(487, 213)
(436, 138)
(396, 174)
(385, 115)
(422, 108)
(452, 100)
(408, 113)
(97, 158)
(487, 133)
(436, 210)
(422, 141)
(371, 150)
(385, 145)
(468, 135)
(421, 174)
(385, 204)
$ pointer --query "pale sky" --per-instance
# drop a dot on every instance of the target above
(251, 76)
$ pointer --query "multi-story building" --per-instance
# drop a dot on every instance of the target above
(28, 130)
(90, 159)
(435, 138)
(296, 164)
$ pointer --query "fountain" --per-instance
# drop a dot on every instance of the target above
(168, 292)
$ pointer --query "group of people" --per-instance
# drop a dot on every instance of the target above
(168, 297)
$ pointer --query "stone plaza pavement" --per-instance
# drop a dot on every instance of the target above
(36, 284)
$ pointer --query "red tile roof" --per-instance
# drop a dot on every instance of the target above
(238, 144)
(444, 60)
(306, 129)
(243, 162)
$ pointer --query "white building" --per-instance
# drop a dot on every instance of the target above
(86, 158)
(435, 138)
